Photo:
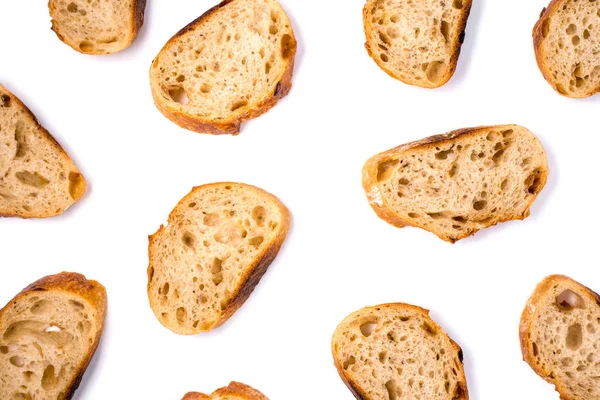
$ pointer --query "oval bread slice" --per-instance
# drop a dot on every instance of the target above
(235, 391)
(455, 184)
(417, 42)
(37, 177)
(218, 243)
(560, 332)
(48, 335)
(395, 351)
(230, 65)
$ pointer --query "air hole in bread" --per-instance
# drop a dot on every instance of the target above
(20, 139)
(259, 214)
(3, 349)
(5, 100)
(205, 88)
(49, 378)
(286, 46)
(212, 219)
(435, 71)
(17, 361)
(437, 215)
(179, 95)
(413, 215)
(350, 361)
(429, 329)
(571, 29)
(394, 391)
(444, 30)
(41, 307)
(76, 185)
(181, 314)
(533, 182)
(368, 327)
(457, 4)
(568, 300)
(443, 155)
(239, 104)
(479, 205)
(32, 179)
(229, 232)
(72, 7)
(453, 170)
(385, 169)
(382, 357)
(575, 40)
(189, 240)
(574, 337)
(384, 57)
(256, 241)
(217, 271)
(164, 290)
(86, 46)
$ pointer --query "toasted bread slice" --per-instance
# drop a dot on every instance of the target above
(395, 351)
(37, 177)
(218, 243)
(565, 40)
(230, 65)
(48, 335)
(98, 27)
(417, 42)
(455, 184)
(560, 332)
(235, 391)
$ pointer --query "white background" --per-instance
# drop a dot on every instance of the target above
(308, 151)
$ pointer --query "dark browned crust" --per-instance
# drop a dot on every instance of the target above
(456, 47)
(369, 180)
(225, 126)
(461, 392)
(528, 318)
(254, 273)
(139, 9)
(91, 291)
(32, 214)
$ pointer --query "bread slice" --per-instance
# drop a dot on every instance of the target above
(455, 184)
(417, 42)
(217, 244)
(37, 177)
(235, 391)
(565, 39)
(560, 332)
(230, 65)
(48, 335)
(395, 351)
(97, 27)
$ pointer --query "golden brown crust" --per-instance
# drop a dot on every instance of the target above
(235, 389)
(456, 47)
(73, 283)
(528, 318)
(195, 396)
(57, 147)
(369, 181)
(232, 125)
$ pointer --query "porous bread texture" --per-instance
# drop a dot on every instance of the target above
(37, 177)
(97, 26)
(566, 39)
(230, 65)
(455, 184)
(48, 335)
(235, 391)
(217, 244)
(394, 352)
(560, 337)
(416, 41)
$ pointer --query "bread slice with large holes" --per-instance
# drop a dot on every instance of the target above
(560, 332)
(230, 65)
(417, 42)
(216, 246)
(48, 335)
(566, 39)
(395, 351)
(457, 183)
(38, 179)
(235, 391)
(97, 27)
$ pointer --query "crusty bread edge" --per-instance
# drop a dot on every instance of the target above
(69, 282)
(354, 387)
(232, 125)
(369, 180)
(138, 8)
(233, 389)
(255, 272)
(66, 159)
(527, 319)
(456, 47)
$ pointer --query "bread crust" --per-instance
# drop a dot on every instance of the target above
(456, 47)
(57, 147)
(235, 389)
(254, 273)
(463, 393)
(527, 320)
(369, 181)
(231, 125)
(73, 283)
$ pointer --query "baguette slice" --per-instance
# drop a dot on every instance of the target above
(98, 27)
(235, 391)
(48, 335)
(395, 351)
(565, 39)
(560, 332)
(230, 65)
(417, 42)
(455, 184)
(218, 243)
(37, 177)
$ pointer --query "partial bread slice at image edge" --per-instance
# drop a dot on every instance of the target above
(235, 390)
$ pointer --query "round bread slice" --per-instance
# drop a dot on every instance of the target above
(560, 333)
(395, 351)
(230, 65)
(38, 179)
(218, 243)
(235, 391)
(48, 335)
